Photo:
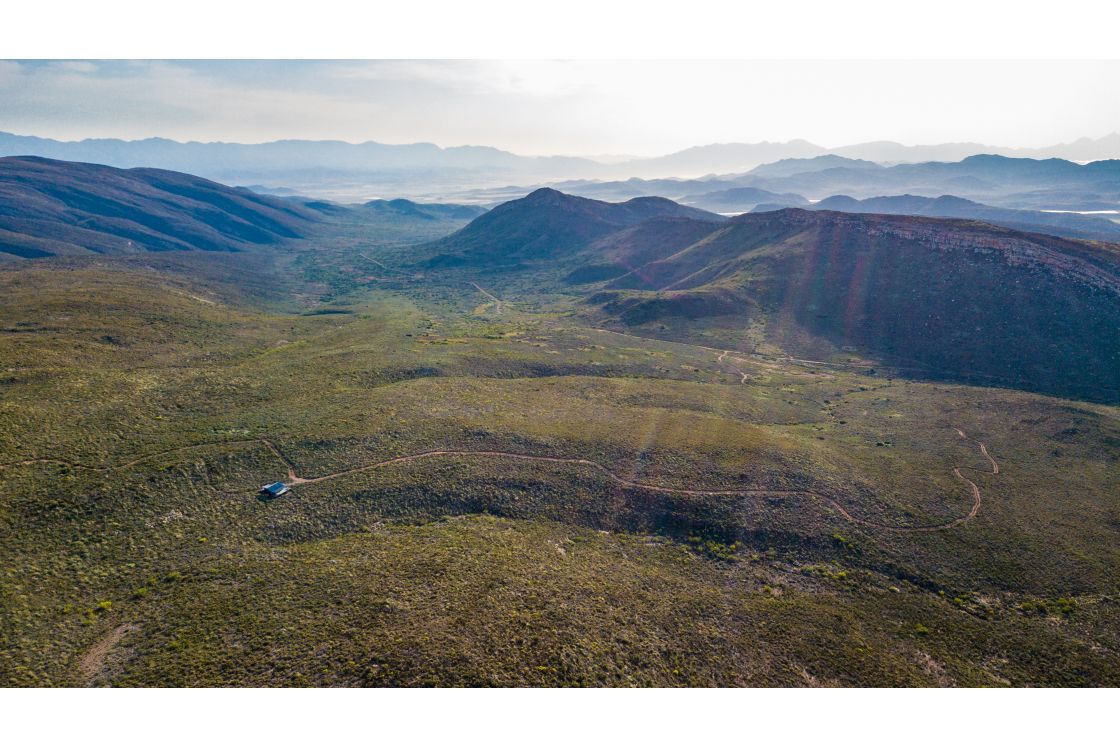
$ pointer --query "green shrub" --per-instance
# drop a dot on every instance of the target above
(1060, 607)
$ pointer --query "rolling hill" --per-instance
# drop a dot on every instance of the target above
(58, 207)
(546, 225)
(935, 297)
(423, 211)
(947, 298)
(714, 193)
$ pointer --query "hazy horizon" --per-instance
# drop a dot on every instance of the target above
(605, 158)
(577, 108)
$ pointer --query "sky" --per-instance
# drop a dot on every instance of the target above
(565, 107)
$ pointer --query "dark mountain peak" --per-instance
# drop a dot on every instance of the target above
(427, 211)
(652, 201)
(838, 202)
(996, 158)
(792, 166)
(398, 206)
(547, 223)
(545, 200)
(986, 158)
(952, 201)
(793, 216)
(545, 196)
(1037, 166)
(642, 208)
(1109, 166)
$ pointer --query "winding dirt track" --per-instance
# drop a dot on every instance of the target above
(742, 374)
(295, 479)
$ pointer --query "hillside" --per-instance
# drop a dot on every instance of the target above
(423, 211)
(58, 207)
(944, 298)
(547, 225)
(631, 248)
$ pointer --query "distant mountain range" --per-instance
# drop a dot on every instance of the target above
(1020, 183)
(1071, 225)
(998, 180)
(733, 157)
(316, 168)
(357, 172)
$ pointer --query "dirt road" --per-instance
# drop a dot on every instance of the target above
(295, 479)
(497, 301)
(742, 374)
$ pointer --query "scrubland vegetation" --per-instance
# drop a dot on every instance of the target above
(136, 394)
(365, 579)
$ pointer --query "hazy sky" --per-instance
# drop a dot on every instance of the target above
(578, 108)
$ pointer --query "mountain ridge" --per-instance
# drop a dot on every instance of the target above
(954, 298)
(322, 166)
(546, 224)
(52, 207)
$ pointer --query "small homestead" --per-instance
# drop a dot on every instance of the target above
(275, 490)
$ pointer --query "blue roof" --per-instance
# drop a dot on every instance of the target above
(274, 487)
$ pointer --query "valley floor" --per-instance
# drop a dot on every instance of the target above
(490, 490)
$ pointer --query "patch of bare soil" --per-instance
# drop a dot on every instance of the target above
(94, 659)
